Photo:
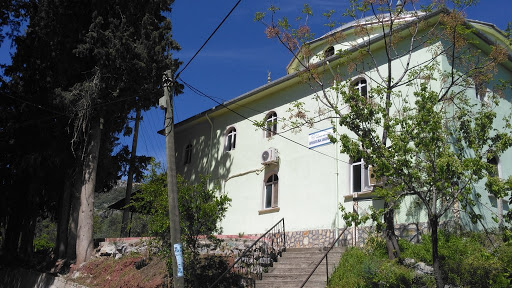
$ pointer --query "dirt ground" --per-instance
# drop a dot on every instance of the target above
(122, 273)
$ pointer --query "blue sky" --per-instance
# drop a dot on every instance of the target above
(239, 56)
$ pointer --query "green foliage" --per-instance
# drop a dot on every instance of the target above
(46, 232)
(208, 269)
(420, 252)
(74, 63)
(418, 125)
(465, 259)
(258, 16)
(201, 209)
(107, 222)
(367, 267)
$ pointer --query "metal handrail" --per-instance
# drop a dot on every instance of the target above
(246, 251)
(326, 262)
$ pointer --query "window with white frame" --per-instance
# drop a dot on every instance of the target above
(231, 139)
(271, 124)
(360, 85)
(188, 154)
(270, 196)
(359, 177)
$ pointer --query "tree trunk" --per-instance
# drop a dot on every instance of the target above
(129, 181)
(61, 242)
(389, 232)
(75, 211)
(31, 202)
(12, 236)
(84, 241)
(434, 224)
(26, 248)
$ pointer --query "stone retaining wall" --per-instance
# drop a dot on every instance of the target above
(310, 238)
(324, 237)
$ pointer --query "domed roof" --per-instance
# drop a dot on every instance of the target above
(404, 17)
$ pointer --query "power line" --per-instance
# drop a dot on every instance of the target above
(197, 91)
(59, 114)
(36, 105)
(211, 35)
(291, 128)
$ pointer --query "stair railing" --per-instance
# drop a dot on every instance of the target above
(260, 255)
(326, 260)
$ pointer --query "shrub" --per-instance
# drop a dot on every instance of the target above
(464, 259)
(368, 268)
(390, 274)
(45, 234)
(421, 252)
(207, 270)
(350, 273)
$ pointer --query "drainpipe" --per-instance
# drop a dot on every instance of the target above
(337, 222)
(336, 152)
(210, 149)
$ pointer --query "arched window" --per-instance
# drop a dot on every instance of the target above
(271, 192)
(329, 52)
(188, 154)
(271, 124)
(231, 139)
(361, 86)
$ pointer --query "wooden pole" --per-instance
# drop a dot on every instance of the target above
(172, 189)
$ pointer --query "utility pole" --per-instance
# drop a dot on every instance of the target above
(129, 181)
(172, 189)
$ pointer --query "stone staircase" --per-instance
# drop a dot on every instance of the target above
(296, 264)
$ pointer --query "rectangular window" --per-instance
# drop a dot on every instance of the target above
(359, 177)
(356, 178)
(271, 194)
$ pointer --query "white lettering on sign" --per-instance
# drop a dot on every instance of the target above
(320, 138)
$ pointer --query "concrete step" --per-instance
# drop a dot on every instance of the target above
(296, 264)
(290, 284)
(286, 270)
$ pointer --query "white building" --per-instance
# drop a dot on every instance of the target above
(300, 175)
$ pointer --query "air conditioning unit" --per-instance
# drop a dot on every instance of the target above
(269, 156)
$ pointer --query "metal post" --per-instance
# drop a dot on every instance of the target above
(284, 237)
(172, 190)
(327, 268)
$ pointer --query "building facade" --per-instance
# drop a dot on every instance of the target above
(271, 171)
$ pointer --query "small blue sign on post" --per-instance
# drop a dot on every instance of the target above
(178, 252)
